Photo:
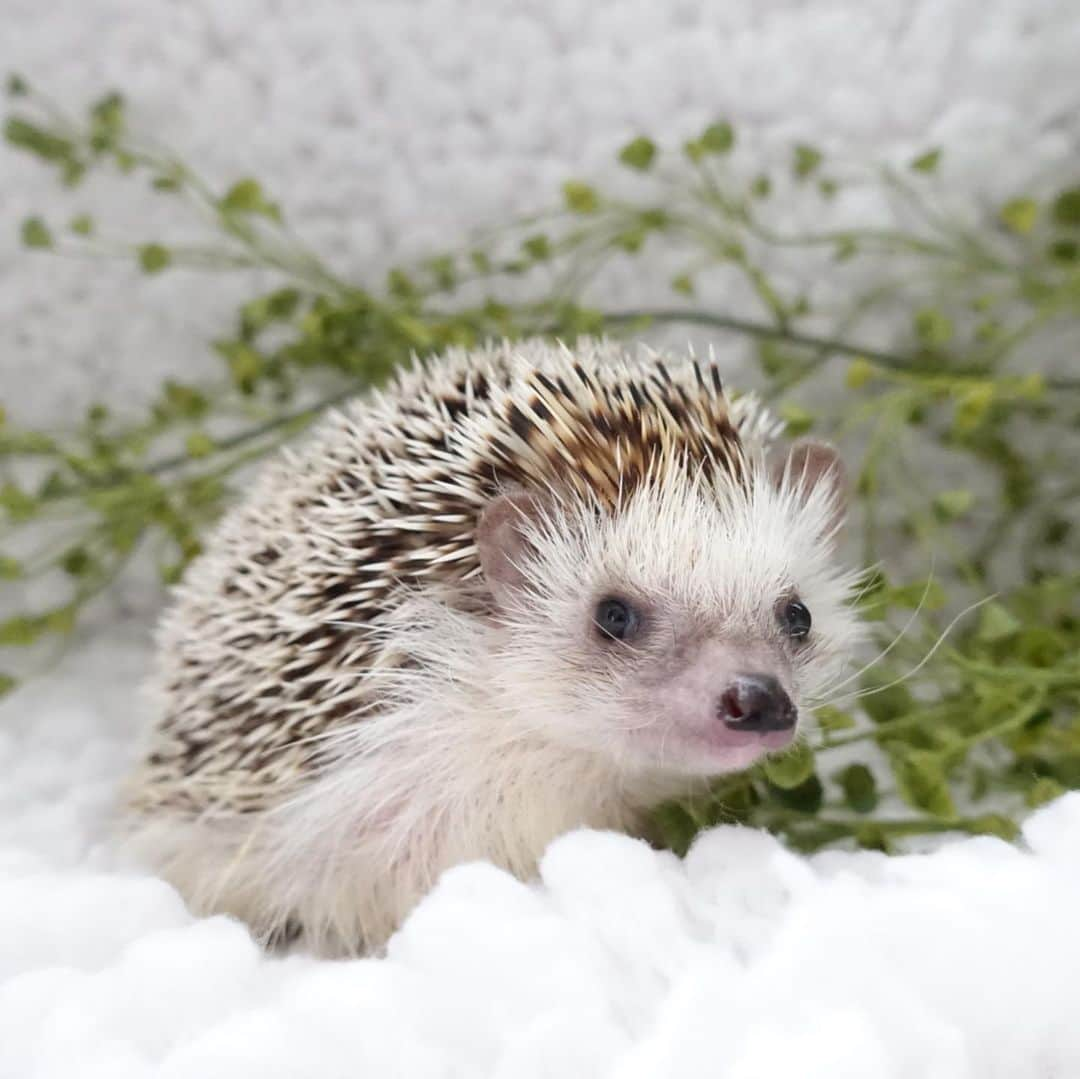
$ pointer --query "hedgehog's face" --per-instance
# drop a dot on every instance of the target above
(685, 632)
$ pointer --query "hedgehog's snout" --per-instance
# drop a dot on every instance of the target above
(756, 703)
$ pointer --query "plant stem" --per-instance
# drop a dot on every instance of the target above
(893, 360)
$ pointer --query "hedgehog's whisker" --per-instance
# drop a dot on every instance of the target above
(893, 643)
(870, 691)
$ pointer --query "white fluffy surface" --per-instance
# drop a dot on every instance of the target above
(743, 961)
(387, 128)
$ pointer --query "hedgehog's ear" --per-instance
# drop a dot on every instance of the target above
(502, 540)
(807, 467)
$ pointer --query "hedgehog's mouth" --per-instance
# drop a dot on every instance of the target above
(711, 749)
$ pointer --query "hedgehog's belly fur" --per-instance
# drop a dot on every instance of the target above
(345, 874)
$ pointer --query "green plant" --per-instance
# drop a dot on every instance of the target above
(967, 714)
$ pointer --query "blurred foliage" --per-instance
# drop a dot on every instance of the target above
(964, 423)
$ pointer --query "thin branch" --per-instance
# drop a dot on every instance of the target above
(895, 361)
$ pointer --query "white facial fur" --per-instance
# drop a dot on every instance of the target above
(708, 569)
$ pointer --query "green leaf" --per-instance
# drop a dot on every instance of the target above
(807, 797)
(683, 284)
(995, 824)
(443, 269)
(859, 787)
(953, 504)
(184, 401)
(833, 719)
(792, 768)
(718, 138)
(924, 595)
(933, 327)
(10, 569)
(883, 702)
(928, 161)
(82, 225)
(973, 406)
(631, 240)
(996, 623)
(246, 197)
(796, 419)
(76, 562)
(676, 827)
(761, 188)
(805, 160)
(871, 836)
(21, 630)
(17, 86)
(860, 371)
(277, 306)
(694, 150)
(35, 233)
(638, 153)
(828, 187)
(107, 125)
(7, 684)
(1043, 790)
(1019, 215)
(18, 505)
(400, 285)
(245, 363)
(580, 198)
(922, 783)
(1065, 210)
(537, 247)
(61, 621)
(199, 444)
(1064, 251)
(153, 258)
(846, 247)
(36, 140)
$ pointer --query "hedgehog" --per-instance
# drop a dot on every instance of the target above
(521, 590)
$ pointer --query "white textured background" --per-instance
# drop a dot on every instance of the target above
(387, 129)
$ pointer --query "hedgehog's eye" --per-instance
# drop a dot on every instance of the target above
(795, 618)
(615, 619)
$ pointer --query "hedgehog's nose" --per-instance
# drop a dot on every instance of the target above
(757, 702)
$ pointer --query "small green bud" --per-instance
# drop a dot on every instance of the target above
(792, 768)
(35, 233)
(1066, 208)
(153, 258)
(718, 138)
(805, 160)
(996, 623)
(1019, 215)
(638, 154)
(537, 247)
(928, 161)
(199, 444)
(953, 504)
(580, 198)
(860, 371)
(933, 327)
